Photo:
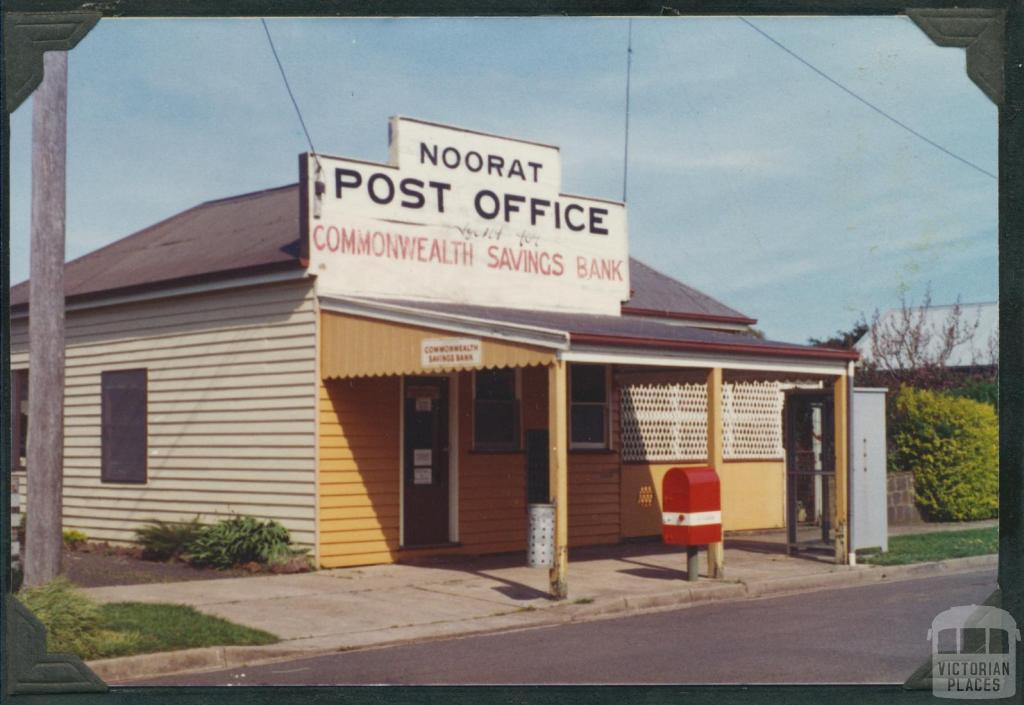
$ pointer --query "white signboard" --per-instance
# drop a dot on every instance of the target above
(463, 217)
(422, 456)
(422, 476)
(451, 352)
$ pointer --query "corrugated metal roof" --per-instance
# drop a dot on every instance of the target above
(655, 294)
(252, 232)
(980, 349)
(623, 331)
(261, 230)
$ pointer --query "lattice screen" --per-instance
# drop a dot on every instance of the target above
(664, 422)
(752, 420)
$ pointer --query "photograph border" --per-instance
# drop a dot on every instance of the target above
(990, 31)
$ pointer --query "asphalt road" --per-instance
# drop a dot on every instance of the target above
(876, 633)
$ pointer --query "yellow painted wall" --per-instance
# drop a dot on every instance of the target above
(359, 477)
(358, 473)
(753, 495)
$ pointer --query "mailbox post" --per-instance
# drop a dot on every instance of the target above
(691, 511)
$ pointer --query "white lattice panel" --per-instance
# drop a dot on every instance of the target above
(664, 422)
(752, 420)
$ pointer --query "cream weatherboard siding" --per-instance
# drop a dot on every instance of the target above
(232, 390)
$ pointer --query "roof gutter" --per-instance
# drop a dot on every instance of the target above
(769, 350)
(197, 284)
(711, 318)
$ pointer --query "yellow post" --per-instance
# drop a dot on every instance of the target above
(716, 551)
(558, 478)
(840, 401)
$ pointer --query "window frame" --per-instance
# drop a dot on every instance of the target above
(140, 477)
(516, 445)
(605, 444)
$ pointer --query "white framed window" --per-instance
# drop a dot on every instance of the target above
(589, 397)
(496, 410)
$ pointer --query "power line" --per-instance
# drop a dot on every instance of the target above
(866, 102)
(629, 70)
(288, 87)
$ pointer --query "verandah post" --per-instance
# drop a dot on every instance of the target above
(840, 408)
(716, 551)
(558, 469)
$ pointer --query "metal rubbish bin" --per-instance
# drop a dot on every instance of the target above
(540, 553)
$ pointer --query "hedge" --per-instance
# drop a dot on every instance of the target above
(951, 444)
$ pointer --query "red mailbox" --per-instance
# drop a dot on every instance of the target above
(691, 507)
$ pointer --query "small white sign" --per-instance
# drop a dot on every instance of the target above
(422, 456)
(451, 352)
(422, 403)
(422, 476)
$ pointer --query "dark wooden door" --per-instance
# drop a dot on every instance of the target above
(425, 449)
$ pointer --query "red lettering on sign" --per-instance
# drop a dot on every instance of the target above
(601, 269)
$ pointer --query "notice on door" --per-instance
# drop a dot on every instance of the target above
(422, 456)
(422, 476)
(450, 352)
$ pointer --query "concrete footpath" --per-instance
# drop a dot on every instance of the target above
(353, 608)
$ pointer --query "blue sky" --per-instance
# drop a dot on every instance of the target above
(750, 177)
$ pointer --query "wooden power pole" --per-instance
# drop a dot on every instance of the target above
(45, 452)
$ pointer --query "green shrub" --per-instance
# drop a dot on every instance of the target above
(240, 540)
(987, 392)
(952, 446)
(73, 622)
(73, 538)
(164, 540)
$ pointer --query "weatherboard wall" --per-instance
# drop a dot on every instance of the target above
(231, 379)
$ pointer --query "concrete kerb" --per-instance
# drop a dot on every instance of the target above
(219, 657)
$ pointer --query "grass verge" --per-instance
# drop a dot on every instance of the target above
(165, 627)
(76, 624)
(935, 546)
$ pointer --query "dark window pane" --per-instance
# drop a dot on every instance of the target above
(974, 639)
(588, 423)
(496, 384)
(998, 641)
(947, 641)
(588, 383)
(496, 424)
(123, 434)
(19, 417)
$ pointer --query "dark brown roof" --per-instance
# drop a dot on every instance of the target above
(260, 231)
(233, 236)
(656, 294)
(628, 331)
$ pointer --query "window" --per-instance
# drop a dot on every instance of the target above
(123, 435)
(19, 419)
(495, 410)
(589, 406)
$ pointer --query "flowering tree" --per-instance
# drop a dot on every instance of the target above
(910, 348)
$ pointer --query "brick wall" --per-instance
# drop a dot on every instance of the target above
(901, 504)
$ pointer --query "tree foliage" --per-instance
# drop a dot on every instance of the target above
(843, 339)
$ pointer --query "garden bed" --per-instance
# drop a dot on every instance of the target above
(99, 565)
